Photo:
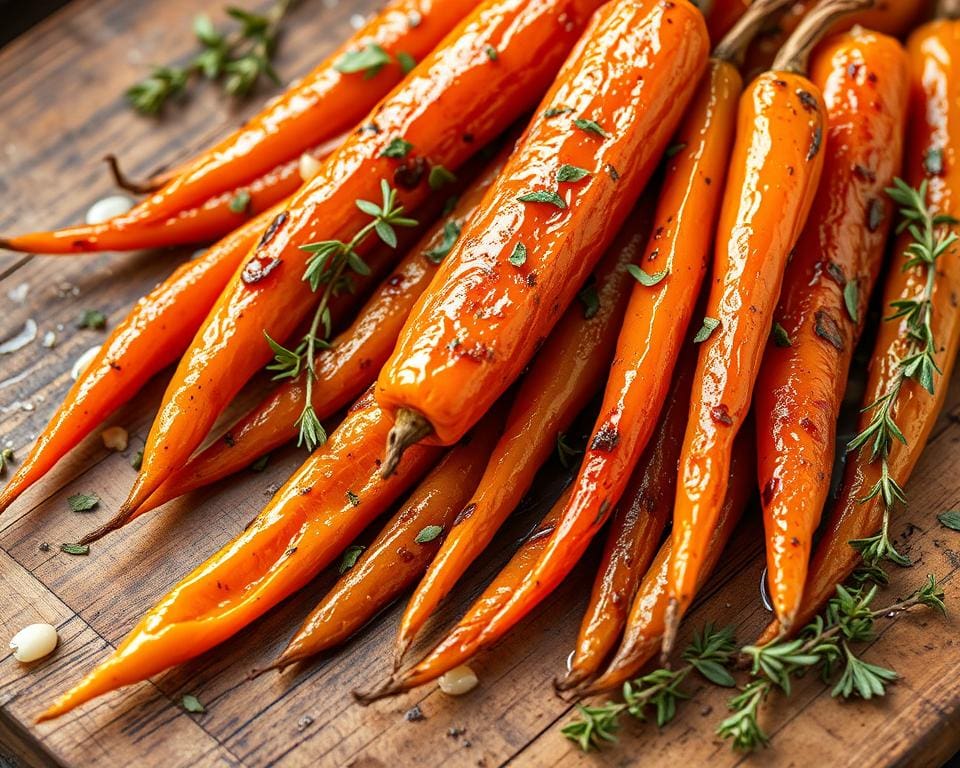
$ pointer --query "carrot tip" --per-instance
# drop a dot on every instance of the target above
(7, 244)
(670, 624)
(573, 680)
(125, 182)
(117, 521)
(410, 428)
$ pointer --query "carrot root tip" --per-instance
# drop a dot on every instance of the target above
(123, 181)
(670, 624)
(410, 428)
(388, 687)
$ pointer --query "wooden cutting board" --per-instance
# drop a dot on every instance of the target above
(62, 109)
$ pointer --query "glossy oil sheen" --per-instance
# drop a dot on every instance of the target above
(864, 80)
(934, 123)
(470, 336)
(303, 529)
(773, 174)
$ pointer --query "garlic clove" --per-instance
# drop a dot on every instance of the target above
(114, 438)
(109, 207)
(458, 681)
(34, 642)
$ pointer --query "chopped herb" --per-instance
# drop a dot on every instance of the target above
(240, 202)
(75, 549)
(571, 173)
(428, 534)
(192, 704)
(590, 300)
(6, 456)
(555, 111)
(353, 499)
(439, 176)
(369, 60)
(851, 298)
(406, 62)
(674, 149)
(350, 557)
(543, 196)
(933, 161)
(137, 460)
(590, 126)
(644, 278)
(491, 53)
(83, 502)
(397, 148)
(451, 231)
(950, 519)
(260, 464)
(780, 336)
(93, 319)
(519, 256)
(710, 324)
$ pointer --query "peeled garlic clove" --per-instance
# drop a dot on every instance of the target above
(458, 681)
(309, 165)
(34, 642)
(114, 438)
(108, 208)
(83, 362)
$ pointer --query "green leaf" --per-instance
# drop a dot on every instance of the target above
(451, 231)
(286, 362)
(369, 60)
(75, 549)
(350, 557)
(386, 233)
(192, 704)
(851, 298)
(519, 256)
(543, 196)
(93, 319)
(715, 672)
(710, 324)
(590, 126)
(780, 336)
(428, 534)
(205, 32)
(406, 62)
(137, 460)
(950, 519)
(240, 202)
(571, 173)
(491, 53)
(83, 502)
(312, 434)
(439, 176)
(396, 148)
(645, 279)
(590, 300)
(260, 464)
(674, 149)
(933, 161)
(555, 111)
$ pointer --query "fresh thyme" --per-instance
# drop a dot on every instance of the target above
(929, 241)
(328, 266)
(824, 645)
(238, 59)
(709, 653)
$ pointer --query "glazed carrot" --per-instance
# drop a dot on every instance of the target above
(635, 531)
(330, 100)
(771, 182)
(645, 625)
(561, 381)
(606, 116)
(321, 509)
(400, 553)
(429, 126)
(657, 316)
(343, 371)
(932, 147)
(210, 220)
(827, 287)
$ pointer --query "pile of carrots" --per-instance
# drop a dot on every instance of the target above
(677, 212)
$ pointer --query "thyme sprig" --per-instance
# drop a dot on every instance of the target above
(823, 645)
(930, 240)
(709, 653)
(238, 59)
(329, 265)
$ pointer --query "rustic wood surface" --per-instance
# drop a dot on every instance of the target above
(61, 103)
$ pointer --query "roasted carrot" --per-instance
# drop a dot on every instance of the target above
(590, 150)
(827, 286)
(933, 144)
(332, 99)
(561, 381)
(343, 371)
(772, 178)
(635, 532)
(400, 553)
(426, 128)
(212, 219)
(645, 625)
(660, 307)
(322, 508)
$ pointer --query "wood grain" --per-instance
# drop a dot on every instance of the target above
(61, 90)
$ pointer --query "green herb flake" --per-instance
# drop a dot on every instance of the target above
(428, 534)
(83, 502)
(353, 499)
(950, 519)
(350, 556)
(675, 149)
(192, 704)
(136, 460)
(439, 176)
(406, 62)
(519, 256)
(710, 324)
(851, 299)
(590, 126)
(491, 53)
(933, 161)
(543, 196)
(369, 60)
(75, 549)
(571, 173)
(556, 111)
(397, 148)
(590, 300)
(644, 278)
(240, 202)
(451, 231)
(6, 456)
(93, 319)
(780, 336)
(260, 464)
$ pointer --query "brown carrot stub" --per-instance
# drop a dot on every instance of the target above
(774, 170)
(827, 288)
